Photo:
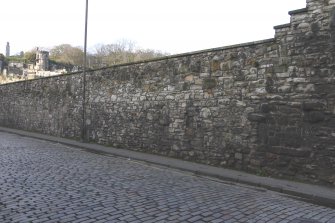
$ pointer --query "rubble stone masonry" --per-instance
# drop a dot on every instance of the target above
(266, 107)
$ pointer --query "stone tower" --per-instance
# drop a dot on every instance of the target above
(42, 60)
(7, 50)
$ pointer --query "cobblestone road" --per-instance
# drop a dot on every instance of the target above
(47, 182)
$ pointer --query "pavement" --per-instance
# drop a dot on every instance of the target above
(319, 195)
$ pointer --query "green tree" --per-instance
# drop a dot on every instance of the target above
(3, 61)
(30, 56)
(2, 57)
(65, 53)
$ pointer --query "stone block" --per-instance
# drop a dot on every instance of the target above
(314, 116)
(205, 113)
(204, 75)
(313, 106)
(304, 25)
(238, 156)
(305, 88)
(274, 141)
(285, 89)
(290, 152)
(215, 66)
(209, 83)
(189, 78)
(256, 117)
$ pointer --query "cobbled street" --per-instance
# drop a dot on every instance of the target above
(47, 182)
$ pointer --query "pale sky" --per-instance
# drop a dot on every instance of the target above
(174, 26)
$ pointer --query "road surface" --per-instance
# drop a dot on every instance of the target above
(42, 181)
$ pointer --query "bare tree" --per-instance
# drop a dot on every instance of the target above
(67, 54)
(123, 51)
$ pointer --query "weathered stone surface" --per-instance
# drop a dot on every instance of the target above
(313, 106)
(315, 116)
(268, 104)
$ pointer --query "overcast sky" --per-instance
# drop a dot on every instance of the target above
(173, 26)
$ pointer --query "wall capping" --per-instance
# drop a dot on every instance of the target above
(298, 11)
(287, 25)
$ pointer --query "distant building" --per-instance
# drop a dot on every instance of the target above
(42, 60)
(16, 65)
(41, 67)
(7, 50)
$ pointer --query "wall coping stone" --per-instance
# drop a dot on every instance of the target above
(298, 11)
(287, 25)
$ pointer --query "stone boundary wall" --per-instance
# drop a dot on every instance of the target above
(266, 107)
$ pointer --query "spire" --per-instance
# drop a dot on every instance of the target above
(7, 50)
